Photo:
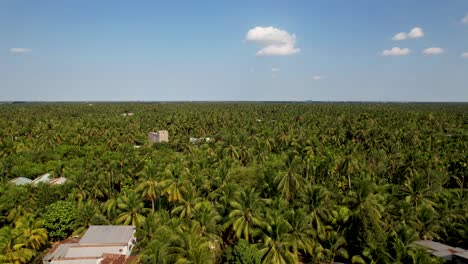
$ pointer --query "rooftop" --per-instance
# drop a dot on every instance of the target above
(442, 250)
(107, 234)
(58, 181)
(43, 178)
(60, 249)
(21, 181)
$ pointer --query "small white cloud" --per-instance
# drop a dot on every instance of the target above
(319, 77)
(416, 32)
(396, 51)
(274, 41)
(464, 55)
(464, 20)
(400, 36)
(433, 51)
(20, 50)
(275, 69)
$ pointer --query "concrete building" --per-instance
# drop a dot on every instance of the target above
(159, 136)
(99, 245)
(448, 253)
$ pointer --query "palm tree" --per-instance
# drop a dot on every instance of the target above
(187, 246)
(175, 186)
(150, 190)
(131, 209)
(32, 234)
(318, 201)
(186, 206)
(278, 245)
(13, 246)
(426, 221)
(302, 234)
(246, 215)
(365, 222)
(150, 229)
(208, 218)
(334, 246)
(289, 183)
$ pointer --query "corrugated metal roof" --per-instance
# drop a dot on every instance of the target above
(97, 251)
(59, 252)
(58, 181)
(107, 234)
(431, 245)
(21, 181)
(43, 178)
(441, 250)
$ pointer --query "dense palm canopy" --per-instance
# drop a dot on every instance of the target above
(276, 183)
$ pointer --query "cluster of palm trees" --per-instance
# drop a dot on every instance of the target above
(296, 182)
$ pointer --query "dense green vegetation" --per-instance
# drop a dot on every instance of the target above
(280, 183)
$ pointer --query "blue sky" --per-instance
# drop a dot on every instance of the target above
(234, 50)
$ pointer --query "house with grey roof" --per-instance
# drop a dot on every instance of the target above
(98, 245)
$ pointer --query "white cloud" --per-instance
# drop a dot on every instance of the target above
(274, 41)
(400, 36)
(433, 51)
(20, 50)
(396, 51)
(416, 32)
(465, 19)
(275, 69)
(319, 77)
(464, 55)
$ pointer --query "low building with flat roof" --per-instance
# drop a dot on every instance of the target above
(100, 244)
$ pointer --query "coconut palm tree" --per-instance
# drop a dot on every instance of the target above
(32, 234)
(131, 208)
(278, 246)
(150, 190)
(246, 215)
